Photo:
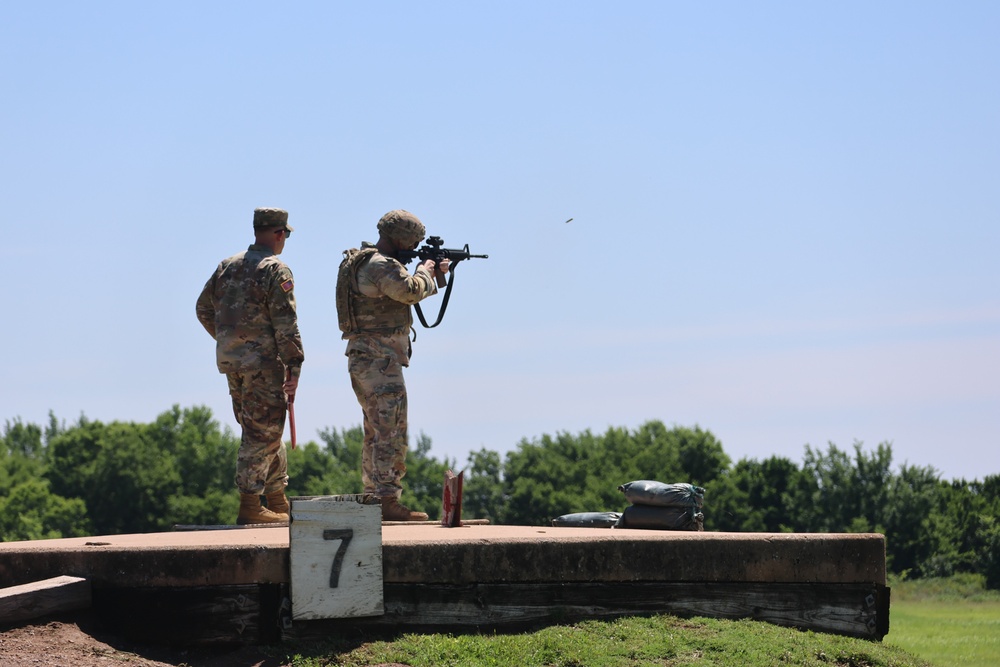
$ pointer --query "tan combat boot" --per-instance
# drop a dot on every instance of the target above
(393, 511)
(277, 502)
(252, 512)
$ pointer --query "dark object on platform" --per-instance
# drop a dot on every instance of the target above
(451, 499)
(653, 505)
(587, 520)
(661, 518)
(658, 494)
(250, 526)
(658, 506)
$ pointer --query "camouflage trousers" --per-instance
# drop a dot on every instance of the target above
(259, 404)
(378, 384)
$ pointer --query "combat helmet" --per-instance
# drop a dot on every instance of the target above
(403, 227)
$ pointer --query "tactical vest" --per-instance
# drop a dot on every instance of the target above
(360, 314)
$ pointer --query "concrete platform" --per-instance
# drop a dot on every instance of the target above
(468, 554)
(484, 576)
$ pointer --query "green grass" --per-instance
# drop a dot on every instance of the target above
(951, 622)
(661, 641)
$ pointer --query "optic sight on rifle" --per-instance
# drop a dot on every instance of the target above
(433, 250)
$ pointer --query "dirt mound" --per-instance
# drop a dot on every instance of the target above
(70, 643)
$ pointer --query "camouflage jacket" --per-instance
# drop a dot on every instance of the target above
(380, 295)
(248, 306)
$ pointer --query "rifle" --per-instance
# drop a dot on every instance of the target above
(433, 250)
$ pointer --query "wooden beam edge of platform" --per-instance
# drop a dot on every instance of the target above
(855, 610)
(41, 598)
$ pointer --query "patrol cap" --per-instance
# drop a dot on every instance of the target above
(270, 217)
(402, 226)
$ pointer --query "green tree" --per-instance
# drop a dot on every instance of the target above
(482, 488)
(336, 469)
(651, 452)
(909, 521)
(332, 470)
(423, 485)
(873, 482)
(204, 455)
(21, 455)
(29, 511)
(551, 477)
(133, 482)
(762, 497)
(989, 560)
(142, 477)
(565, 474)
(834, 503)
(727, 505)
(345, 446)
(700, 455)
(191, 442)
(71, 459)
(962, 522)
(839, 494)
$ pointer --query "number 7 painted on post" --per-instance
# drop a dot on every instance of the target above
(345, 536)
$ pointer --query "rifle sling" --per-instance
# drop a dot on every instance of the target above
(444, 302)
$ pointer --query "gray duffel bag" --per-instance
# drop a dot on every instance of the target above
(658, 494)
(587, 520)
(661, 518)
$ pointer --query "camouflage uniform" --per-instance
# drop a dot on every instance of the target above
(375, 293)
(248, 306)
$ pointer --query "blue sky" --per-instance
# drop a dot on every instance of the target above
(785, 215)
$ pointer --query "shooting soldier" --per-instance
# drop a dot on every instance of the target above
(374, 295)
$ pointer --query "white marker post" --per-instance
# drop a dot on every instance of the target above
(336, 557)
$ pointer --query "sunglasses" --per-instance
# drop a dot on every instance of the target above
(286, 232)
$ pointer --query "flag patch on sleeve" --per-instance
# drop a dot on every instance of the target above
(287, 285)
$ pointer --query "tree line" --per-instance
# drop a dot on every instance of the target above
(92, 478)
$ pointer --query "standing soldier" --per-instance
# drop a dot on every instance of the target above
(374, 295)
(248, 307)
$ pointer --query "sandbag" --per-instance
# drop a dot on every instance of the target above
(587, 520)
(661, 518)
(658, 494)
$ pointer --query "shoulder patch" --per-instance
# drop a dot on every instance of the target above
(287, 285)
